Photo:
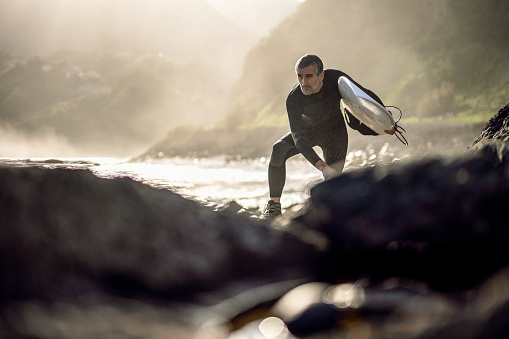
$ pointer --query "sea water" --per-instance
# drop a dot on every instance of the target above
(216, 180)
(220, 179)
(212, 180)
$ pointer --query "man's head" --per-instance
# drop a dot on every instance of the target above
(309, 69)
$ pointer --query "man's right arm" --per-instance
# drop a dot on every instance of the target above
(327, 171)
(299, 134)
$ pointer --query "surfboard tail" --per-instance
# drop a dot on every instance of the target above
(399, 131)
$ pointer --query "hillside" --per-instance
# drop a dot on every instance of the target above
(434, 58)
(103, 103)
(112, 77)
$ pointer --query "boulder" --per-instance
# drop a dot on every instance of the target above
(497, 127)
(67, 233)
(429, 220)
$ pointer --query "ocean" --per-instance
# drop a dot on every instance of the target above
(213, 180)
(218, 180)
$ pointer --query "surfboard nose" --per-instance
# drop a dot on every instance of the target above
(345, 89)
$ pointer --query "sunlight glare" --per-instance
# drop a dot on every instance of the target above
(345, 295)
(300, 298)
(273, 327)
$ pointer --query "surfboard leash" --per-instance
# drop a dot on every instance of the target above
(399, 130)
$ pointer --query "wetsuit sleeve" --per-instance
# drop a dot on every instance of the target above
(299, 133)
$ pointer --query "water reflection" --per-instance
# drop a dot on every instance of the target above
(220, 179)
(345, 295)
(299, 299)
(273, 327)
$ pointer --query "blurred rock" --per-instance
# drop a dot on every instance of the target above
(431, 220)
(65, 233)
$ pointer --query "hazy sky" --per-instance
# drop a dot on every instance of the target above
(258, 16)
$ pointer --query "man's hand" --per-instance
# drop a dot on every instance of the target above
(327, 171)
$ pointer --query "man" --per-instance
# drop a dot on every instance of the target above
(315, 117)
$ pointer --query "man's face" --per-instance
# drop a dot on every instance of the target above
(310, 83)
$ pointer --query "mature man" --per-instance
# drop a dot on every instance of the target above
(315, 117)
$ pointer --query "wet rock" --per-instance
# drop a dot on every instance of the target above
(234, 207)
(429, 220)
(497, 128)
(67, 233)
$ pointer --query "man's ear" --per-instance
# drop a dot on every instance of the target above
(321, 76)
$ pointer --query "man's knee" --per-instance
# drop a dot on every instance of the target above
(280, 150)
(338, 166)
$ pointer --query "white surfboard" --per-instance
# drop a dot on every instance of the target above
(364, 107)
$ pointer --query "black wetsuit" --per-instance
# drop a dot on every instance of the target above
(315, 120)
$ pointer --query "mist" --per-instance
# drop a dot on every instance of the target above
(18, 144)
(112, 77)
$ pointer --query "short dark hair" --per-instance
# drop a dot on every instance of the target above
(310, 60)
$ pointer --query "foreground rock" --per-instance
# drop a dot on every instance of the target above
(67, 235)
(80, 254)
(428, 220)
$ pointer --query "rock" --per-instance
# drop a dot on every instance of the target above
(428, 220)
(66, 233)
(497, 128)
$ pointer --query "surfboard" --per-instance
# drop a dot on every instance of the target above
(364, 107)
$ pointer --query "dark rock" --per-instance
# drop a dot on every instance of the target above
(231, 207)
(428, 220)
(316, 318)
(65, 233)
(497, 128)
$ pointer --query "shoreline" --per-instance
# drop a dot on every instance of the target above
(257, 142)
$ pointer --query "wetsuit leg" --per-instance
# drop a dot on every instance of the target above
(283, 149)
(334, 151)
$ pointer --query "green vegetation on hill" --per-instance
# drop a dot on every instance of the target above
(434, 59)
(106, 101)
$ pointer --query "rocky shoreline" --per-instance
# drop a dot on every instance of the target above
(445, 138)
(413, 249)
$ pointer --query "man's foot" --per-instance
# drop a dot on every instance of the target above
(272, 209)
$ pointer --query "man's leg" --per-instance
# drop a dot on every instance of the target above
(335, 151)
(283, 149)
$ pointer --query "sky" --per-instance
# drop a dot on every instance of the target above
(259, 16)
